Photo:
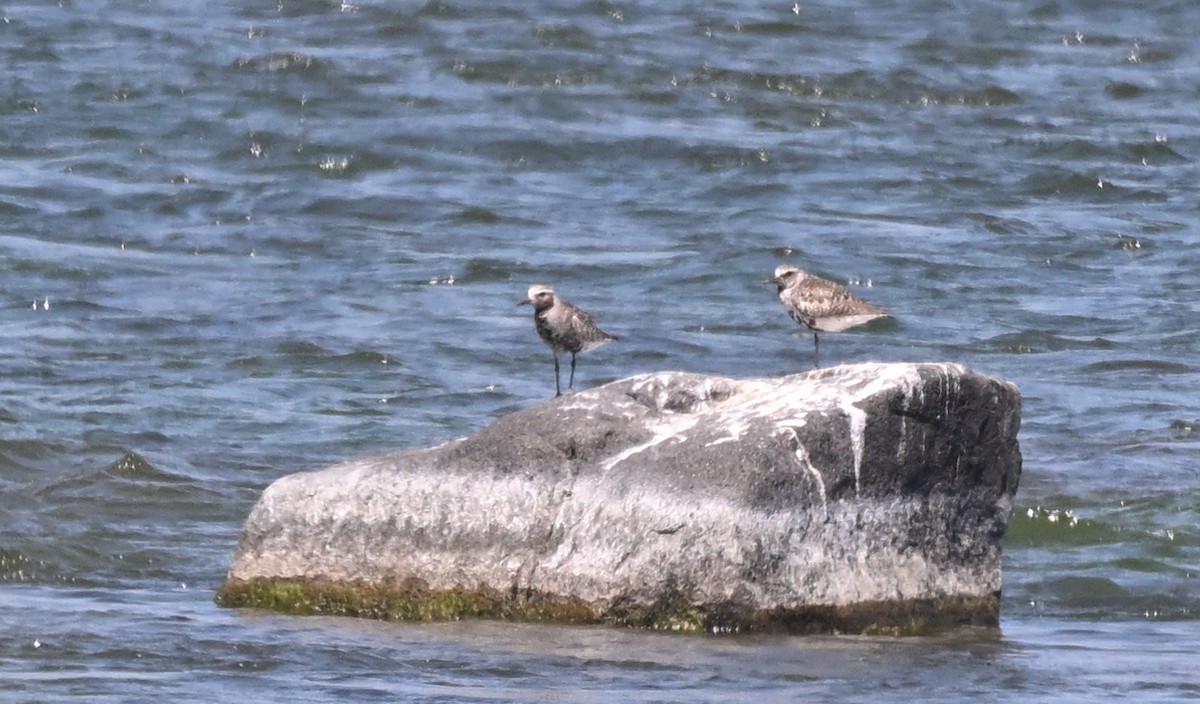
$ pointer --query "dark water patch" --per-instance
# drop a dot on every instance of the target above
(15, 566)
(1149, 565)
(940, 51)
(1130, 526)
(1060, 149)
(308, 357)
(358, 408)
(113, 133)
(130, 470)
(27, 566)
(773, 29)
(108, 92)
(1067, 184)
(1085, 592)
(1185, 429)
(566, 36)
(1128, 243)
(30, 455)
(188, 128)
(1125, 557)
(131, 465)
(1040, 527)
(1142, 53)
(909, 87)
(795, 84)
(359, 358)
(1001, 225)
(1082, 39)
(1121, 90)
(1156, 366)
(658, 356)
(370, 209)
(35, 48)
(157, 325)
(569, 75)
(9, 208)
(1098, 599)
(179, 197)
(442, 10)
(284, 62)
(989, 96)
(1059, 182)
(343, 161)
(478, 269)
(669, 155)
(1041, 341)
(478, 215)
(266, 148)
(631, 665)
(1156, 152)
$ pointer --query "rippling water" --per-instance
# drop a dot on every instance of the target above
(245, 239)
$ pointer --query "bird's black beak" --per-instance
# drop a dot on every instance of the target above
(771, 281)
(525, 302)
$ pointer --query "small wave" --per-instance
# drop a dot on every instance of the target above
(1112, 559)
(130, 467)
(1145, 365)
(19, 567)
(9, 208)
(287, 61)
(1121, 90)
(1063, 182)
(1186, 429)
(305, 355)
(1157, 151)
(441, 10)
(1039, 527)
(134, 466)
(480, 270)
(476, 215)
(773, 29)
(570, 36)
(1039, 341)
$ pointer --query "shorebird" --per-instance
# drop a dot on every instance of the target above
(820, 304)
(564, 327)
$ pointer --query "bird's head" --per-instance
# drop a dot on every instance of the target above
(539, 296)
(785, 275)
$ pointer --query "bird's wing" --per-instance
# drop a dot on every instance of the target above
(585, 328)
(822, 298)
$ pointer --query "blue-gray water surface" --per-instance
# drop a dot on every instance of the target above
(243, 239)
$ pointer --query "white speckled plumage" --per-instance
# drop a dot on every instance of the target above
(821, 305)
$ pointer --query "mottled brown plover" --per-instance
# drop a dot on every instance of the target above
(820, 305)
(564, 327)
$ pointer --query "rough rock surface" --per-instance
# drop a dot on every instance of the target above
(852, 498)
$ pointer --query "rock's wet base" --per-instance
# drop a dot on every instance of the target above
(673, 610)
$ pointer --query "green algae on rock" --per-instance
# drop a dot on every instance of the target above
(400, 602)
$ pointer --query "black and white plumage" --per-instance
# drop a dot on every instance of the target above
(564, 327)
(820, 304)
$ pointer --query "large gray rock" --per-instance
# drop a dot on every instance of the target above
(864, 497)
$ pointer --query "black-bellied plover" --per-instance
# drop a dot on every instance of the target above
(820, 304)
(564, 327)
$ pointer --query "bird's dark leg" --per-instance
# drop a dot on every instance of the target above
(571, 383)
(557, 388)
(816, 351)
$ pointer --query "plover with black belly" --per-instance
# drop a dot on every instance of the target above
(564, 327)
(820, 304)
